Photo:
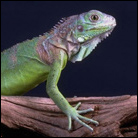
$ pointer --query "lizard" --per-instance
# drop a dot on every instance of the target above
(29, 63)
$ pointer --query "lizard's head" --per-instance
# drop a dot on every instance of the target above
(89, 29)
(78, 35)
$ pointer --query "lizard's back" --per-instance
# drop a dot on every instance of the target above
(21, 68)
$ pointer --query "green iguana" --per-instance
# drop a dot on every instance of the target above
(27, 64)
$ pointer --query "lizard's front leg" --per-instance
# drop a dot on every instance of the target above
(61, 102)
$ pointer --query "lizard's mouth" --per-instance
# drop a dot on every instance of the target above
(105, 35)
(98, 38)
(88, 46)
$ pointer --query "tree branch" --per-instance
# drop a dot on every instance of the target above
(41, 117)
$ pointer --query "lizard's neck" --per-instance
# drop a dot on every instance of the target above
(68, 44)
(62, 37)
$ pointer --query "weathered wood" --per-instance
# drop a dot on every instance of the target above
(40, 116)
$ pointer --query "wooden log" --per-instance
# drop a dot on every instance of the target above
(33, 116)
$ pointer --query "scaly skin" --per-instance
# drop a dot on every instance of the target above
(27, 64)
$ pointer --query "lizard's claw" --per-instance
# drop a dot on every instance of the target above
(75, 114)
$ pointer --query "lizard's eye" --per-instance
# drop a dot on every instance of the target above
(94, 18)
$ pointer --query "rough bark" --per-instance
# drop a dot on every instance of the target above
(28, 116)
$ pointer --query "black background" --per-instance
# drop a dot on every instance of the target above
(110, 70)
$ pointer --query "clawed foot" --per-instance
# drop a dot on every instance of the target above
(75, 114)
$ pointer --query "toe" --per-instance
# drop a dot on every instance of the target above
(78, 105)
(85, 111)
